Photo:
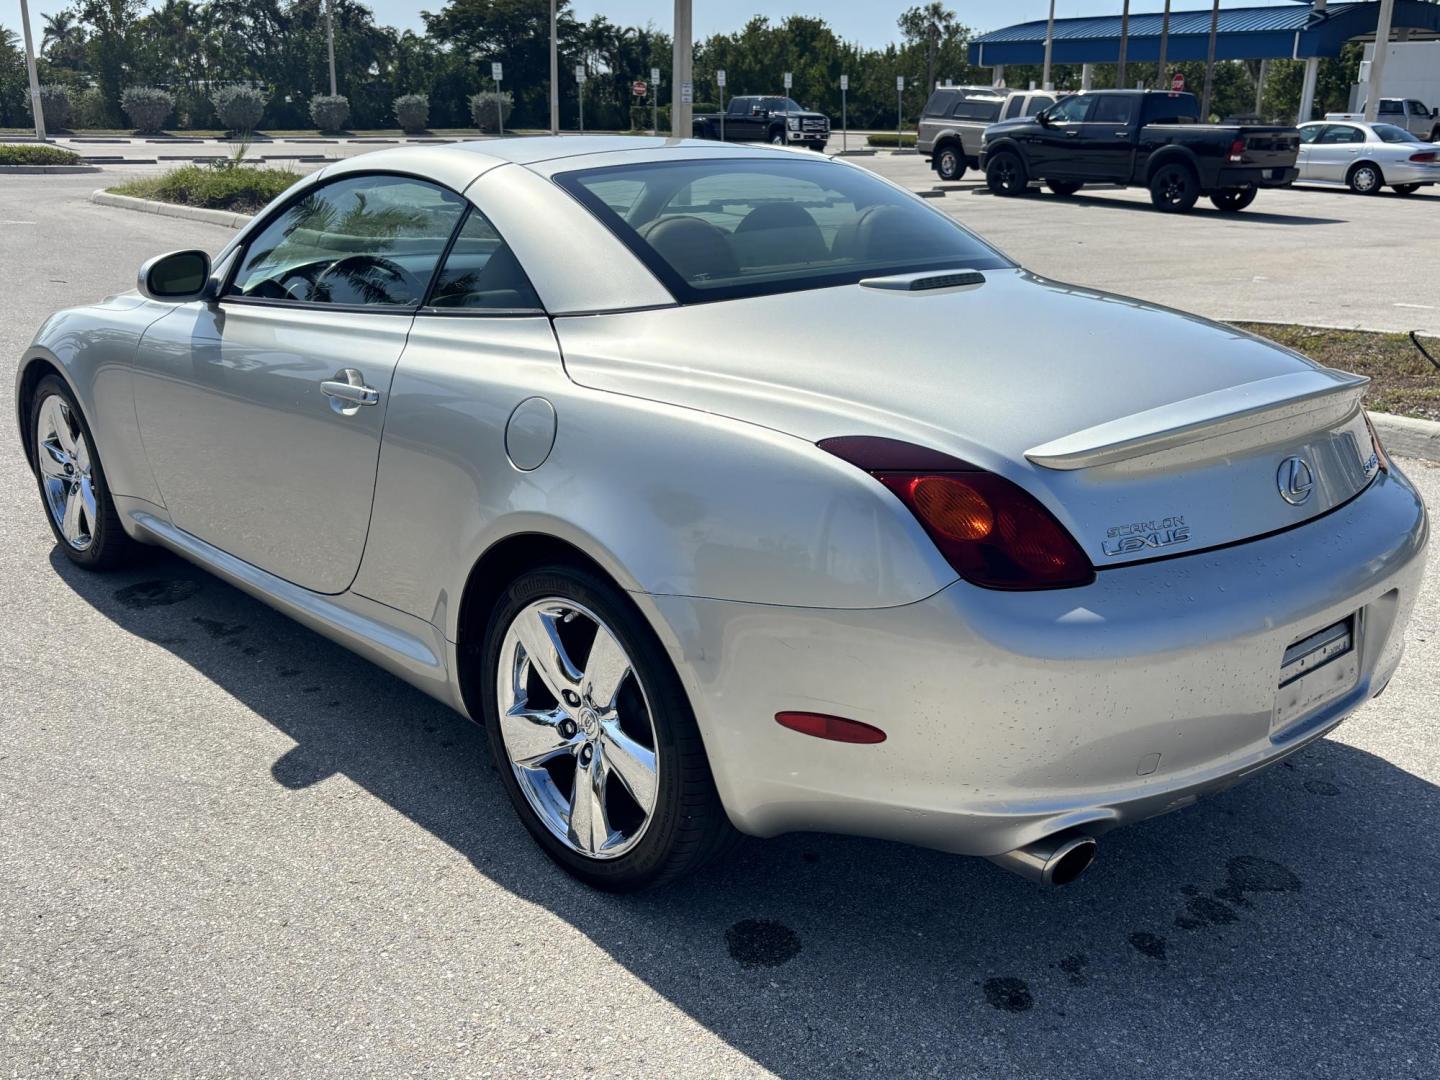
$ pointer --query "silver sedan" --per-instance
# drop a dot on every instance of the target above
(1366, 157)
(735, 490)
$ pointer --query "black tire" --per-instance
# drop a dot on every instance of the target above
(1174, 188)
(1064, 188)
(777, 136)
(1365, 178)
(1233, 199)
(818, 147)
(107, 546)
(949, 162)
(688, 826)
(1405, 189)
(1005, 174)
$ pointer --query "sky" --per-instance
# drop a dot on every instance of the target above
(869, 22)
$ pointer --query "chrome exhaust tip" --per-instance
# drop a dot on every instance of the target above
(1055, 860)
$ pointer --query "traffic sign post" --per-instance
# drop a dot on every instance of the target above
(655, 100)
(580, 93)
(844, 119)
(899, 108)
(497, 72)
(720, 82)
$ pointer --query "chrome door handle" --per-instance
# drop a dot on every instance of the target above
(1122, 134)
(1071, 134)
(347, 391)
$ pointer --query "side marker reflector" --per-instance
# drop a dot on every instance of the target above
(834, 728)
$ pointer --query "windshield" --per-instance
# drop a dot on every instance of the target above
(1391, 133)
(725, 228)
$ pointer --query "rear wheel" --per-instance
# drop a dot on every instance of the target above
(950, 162)
(593, 734)
(1406, 189)
(1365, 179)
(1005, 174)
(1174, 188)
(1064, 188)
(1233, 199)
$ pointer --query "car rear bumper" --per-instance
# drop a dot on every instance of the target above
(1012, 716)
(1252, 177)
(1404, 172)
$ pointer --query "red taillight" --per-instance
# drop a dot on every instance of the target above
(1424, 155)
(834, 728)
(1381, 458)
(993, 533)
(1237, 150)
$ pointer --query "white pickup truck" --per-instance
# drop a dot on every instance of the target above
(1408, 113)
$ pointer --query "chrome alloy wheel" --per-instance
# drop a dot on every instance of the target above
(578, 732)
(64, 460)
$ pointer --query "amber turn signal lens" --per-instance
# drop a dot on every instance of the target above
(952, 507)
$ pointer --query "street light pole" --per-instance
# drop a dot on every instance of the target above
(36, 109)
(330, 34)
(1164, 37)
(681, 78)
(1124, 42)
(554, 71)
(1210, 62)
(1049, 41)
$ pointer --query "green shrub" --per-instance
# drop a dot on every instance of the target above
(412, 111)
(330, 112)
(148, 107)
(37, 154)
(55, 105)
(888, 139)
(239, 107)
(90, 111)
(241, 188)
(484, 112)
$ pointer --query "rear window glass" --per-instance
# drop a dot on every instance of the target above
(727, 228)
(1170, 109)
(1391, 133)
(939, 103)
(985, 110)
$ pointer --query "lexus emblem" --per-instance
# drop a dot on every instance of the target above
(1295, 480)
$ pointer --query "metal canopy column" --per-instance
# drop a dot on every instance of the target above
(1377, 62)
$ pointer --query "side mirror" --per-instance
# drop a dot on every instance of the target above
(1435, 113)
(1043, 118)
(176, 278)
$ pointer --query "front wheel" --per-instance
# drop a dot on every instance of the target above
(77, 500)
(1365, 179)
(593, 735)
(777, 137)
(1406, 189)
(1063, 188)
(1005, 174)
(949, 163)
(1234, 199)
(1174, 188)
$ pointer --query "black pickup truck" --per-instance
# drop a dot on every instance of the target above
(775, 120)
(1151, 138)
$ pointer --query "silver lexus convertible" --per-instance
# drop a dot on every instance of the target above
(736, 490)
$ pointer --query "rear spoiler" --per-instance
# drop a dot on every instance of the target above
(1221, 412)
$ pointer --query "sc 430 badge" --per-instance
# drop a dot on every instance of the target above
(1138, 535)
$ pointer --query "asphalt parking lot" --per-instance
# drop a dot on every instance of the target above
(228, 847)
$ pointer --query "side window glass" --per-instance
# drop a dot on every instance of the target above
(1012, 107)
(482, 273)
(1071, 110)
(1308, 134)
(370, 241)
(1113, 109)
(1037, 103)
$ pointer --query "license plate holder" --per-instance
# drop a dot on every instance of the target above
(1315, 671)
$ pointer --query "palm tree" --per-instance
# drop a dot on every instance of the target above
(63, 39)
(930, 23)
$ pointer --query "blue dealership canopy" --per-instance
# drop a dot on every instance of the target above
(1252, 33)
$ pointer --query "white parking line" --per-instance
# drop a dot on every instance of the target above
(1422, 307)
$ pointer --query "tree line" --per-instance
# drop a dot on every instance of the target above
(97, 50)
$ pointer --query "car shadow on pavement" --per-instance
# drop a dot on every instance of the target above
(1287, 927)
(1202, 207)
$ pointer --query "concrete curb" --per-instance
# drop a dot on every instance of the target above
(7, 170)
(228, 218)
(1406, 437)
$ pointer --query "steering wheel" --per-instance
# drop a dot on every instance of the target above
(365, 279)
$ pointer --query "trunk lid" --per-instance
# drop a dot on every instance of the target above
(1145, 431)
